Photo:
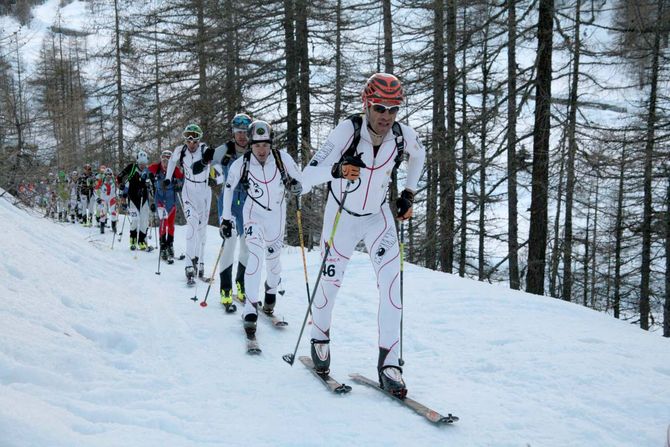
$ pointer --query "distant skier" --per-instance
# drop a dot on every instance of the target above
(222, 158)
(138, 179)
(73, 203)
(197, 197)
(105, 193)
(265, 174)
(166, 201)
(85, 185)
(364, 170)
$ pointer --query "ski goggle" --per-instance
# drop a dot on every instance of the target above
(240, 123)
(381, 108)
(191, 136)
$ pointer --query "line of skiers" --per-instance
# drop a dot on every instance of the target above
(357, 161)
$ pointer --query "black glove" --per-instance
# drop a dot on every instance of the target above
(166, 182)
(99, 201)
(124, 194)
(226, 230)
(198, 167)
(404, 205)
(178, 184)
(211, 182)
(152, 207)
(208, 155)
(295, 187)
(348, 168)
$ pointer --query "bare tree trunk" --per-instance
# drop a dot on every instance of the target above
(512, 226)
(555, 252)
(292, 79)
(159, 117)
(463, 245)
(645, 267)
(119, 87)
(618, 234)
(448, 155)
(438, 129)
(572, 149)
(338, 64)
(233, 100)
(585, 289)
(666, 308)
(203, 90)
(594, 243)
(538, 207)
(482, 158)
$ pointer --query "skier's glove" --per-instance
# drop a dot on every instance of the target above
(226, 230)
(404, 205)
(211, 182)
(166, 182)
(152, 207)
(99, 201)
(124, 194)
(348, 168)
(178, 184)
(295, 187)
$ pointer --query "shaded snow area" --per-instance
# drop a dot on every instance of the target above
(98, 350)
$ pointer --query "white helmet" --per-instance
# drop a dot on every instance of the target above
(142, 158)
(260, 132)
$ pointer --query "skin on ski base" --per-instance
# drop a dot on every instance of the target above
(431, 415)
(330, 383)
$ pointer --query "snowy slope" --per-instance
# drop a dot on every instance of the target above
(98, 350)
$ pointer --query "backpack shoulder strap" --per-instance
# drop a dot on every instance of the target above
(280, 166)
(244, 178)
(399, 144)
(181, 156)
(357, 121)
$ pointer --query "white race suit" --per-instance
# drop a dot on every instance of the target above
(366, 216)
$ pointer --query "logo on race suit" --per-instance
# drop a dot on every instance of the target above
(254, 189)
(322, 153)
(388, 241)
(275, 247)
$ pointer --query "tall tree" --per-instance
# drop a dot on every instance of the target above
(538, 206)
(512, 200)
(448, 155)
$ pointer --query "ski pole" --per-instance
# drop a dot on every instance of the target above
(123, 224)
(158, 272)
(402, 264)
(211, 279)
(302, 243)
(290, 358)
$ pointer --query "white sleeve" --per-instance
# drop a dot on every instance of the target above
(234, 174)
(318, 169)
(290, 165)
(172, 163)
(417, 157)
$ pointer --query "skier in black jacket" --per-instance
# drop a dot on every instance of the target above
(138, 180)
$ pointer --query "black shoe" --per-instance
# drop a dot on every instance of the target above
(114, 226)
(321, 355)
(390, 379)
(269, 301)
(164, 254)
(250, 325)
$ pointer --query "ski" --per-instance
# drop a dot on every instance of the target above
(330, 383)
(420, 409)
(230, 308)
(190, 282)
(276, 322)
(253, 348)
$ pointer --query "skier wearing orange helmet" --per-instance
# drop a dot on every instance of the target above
(357, 160)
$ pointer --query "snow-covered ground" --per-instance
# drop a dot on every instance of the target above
(98, 350)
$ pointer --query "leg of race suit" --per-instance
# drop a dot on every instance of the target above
(344, 242)
(83, 204)
(192, 224)
(381, 241)
(204, 220)
(133, 220)
(226, 263)
(253, 232)
(91, 208)
(112, 209)
(243, 257)
(143, 222)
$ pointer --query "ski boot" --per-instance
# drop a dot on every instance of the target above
(390, 379)
(142, 246)
(227, 301)
(133, 243)
(170, 254)
(240, 292)
(114, 226)
(164, 253)
(102, 227)
(201, 270)
(190, 272)
(250, 325)
(321, 355)
(269, 301)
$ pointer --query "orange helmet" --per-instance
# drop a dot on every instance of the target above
(383, 88)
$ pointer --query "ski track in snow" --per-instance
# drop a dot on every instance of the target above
(97, 350)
